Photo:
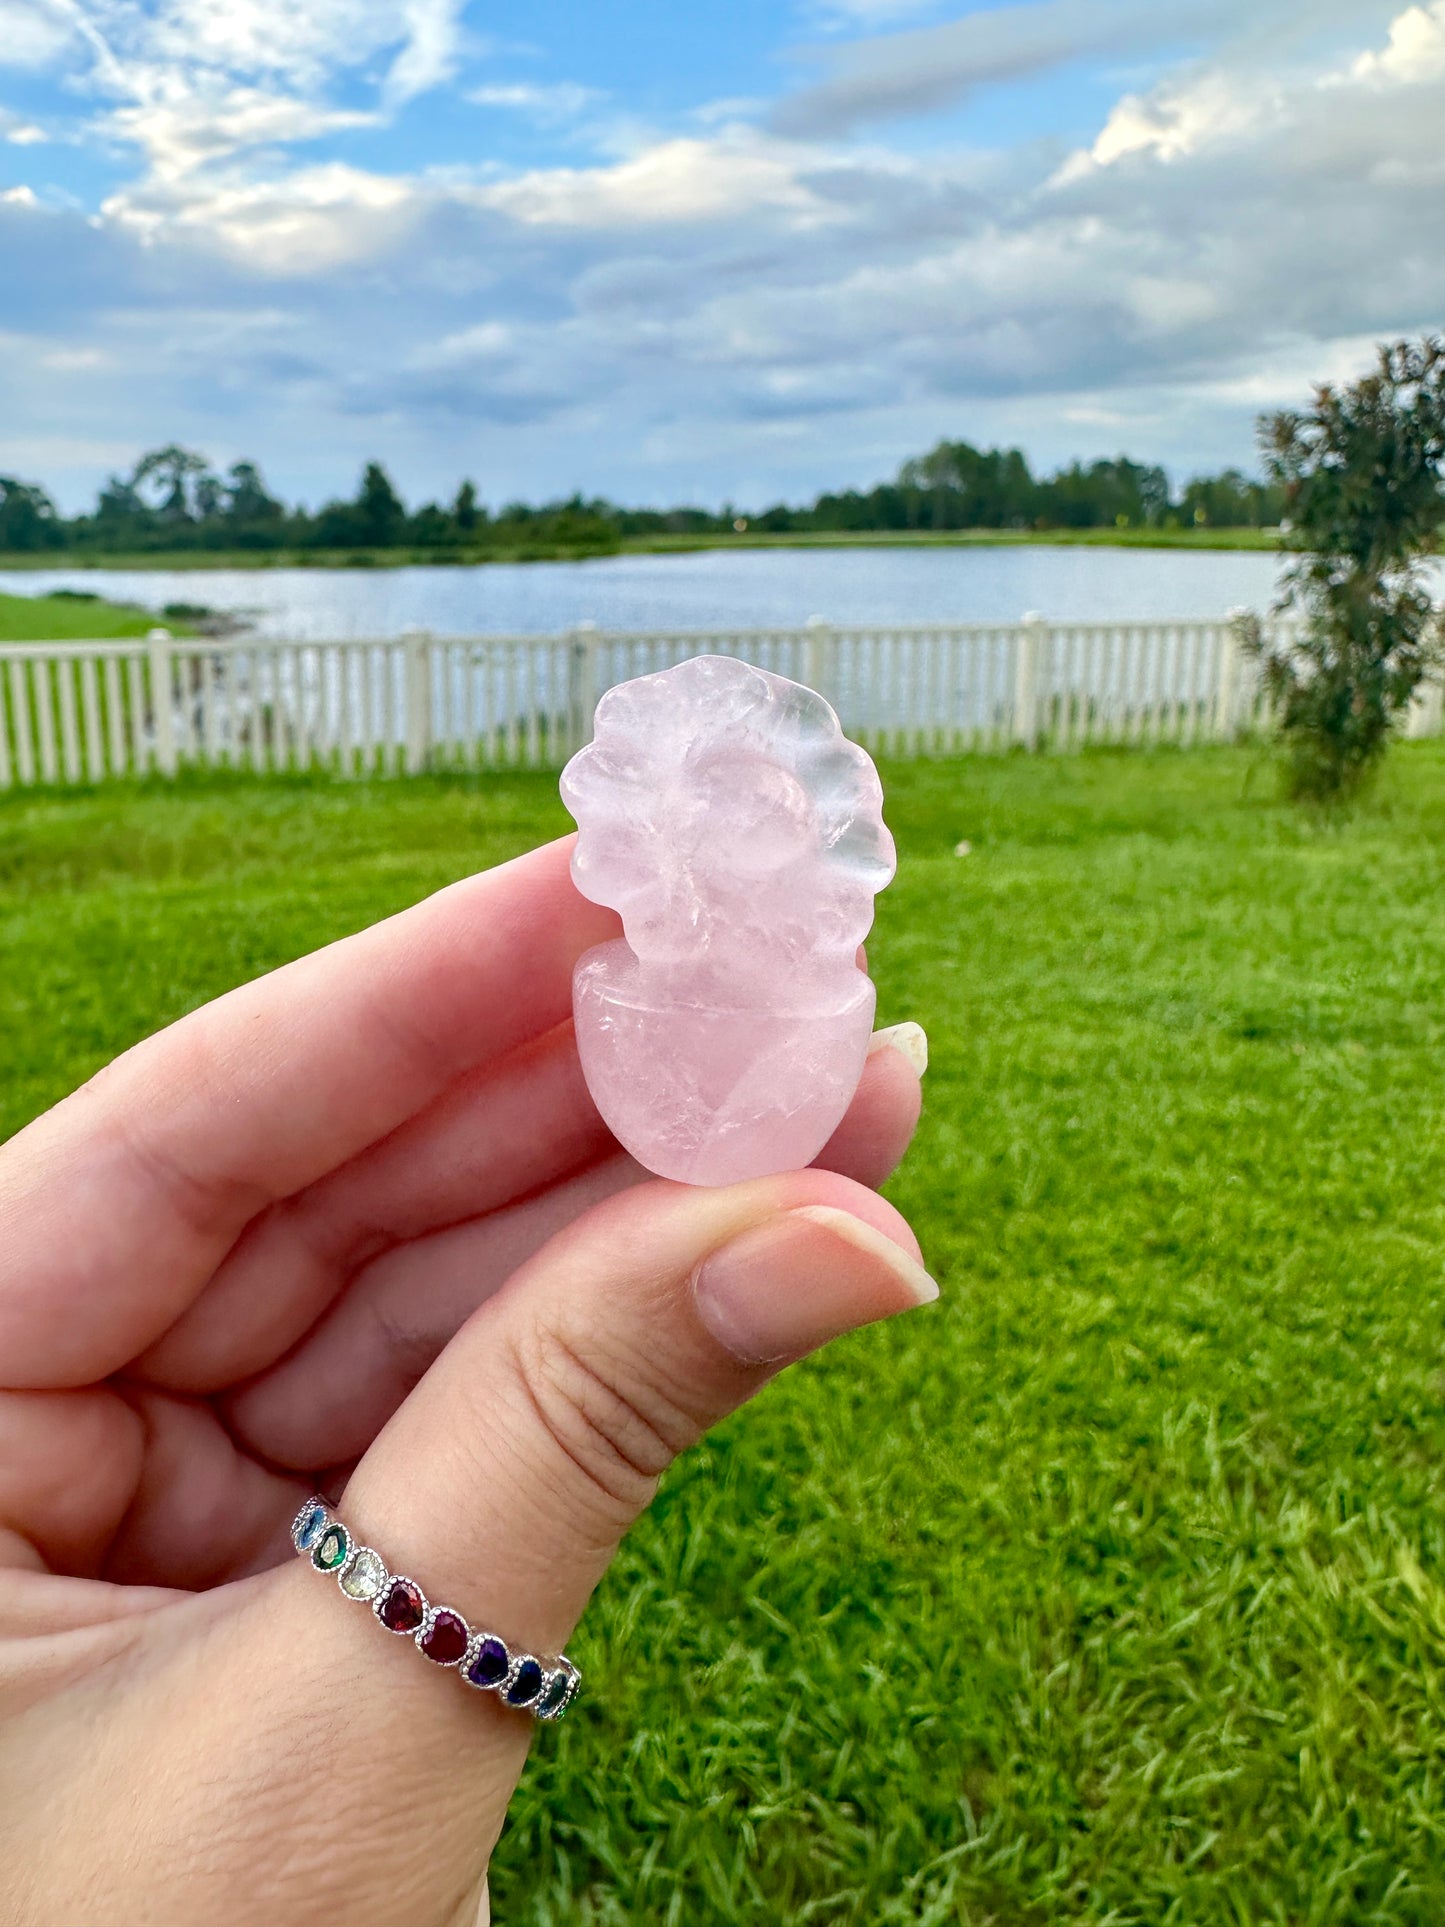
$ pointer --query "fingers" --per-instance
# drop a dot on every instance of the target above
(870, 1142)
(134, 1487)
(327, 1400)
(117, 1205)
(70, 1463)
(501, 1132)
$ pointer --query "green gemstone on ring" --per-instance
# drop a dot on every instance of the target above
(331, 1549)
(558, 1686)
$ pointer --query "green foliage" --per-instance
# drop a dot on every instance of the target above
(1109, 1591)
(1231, 501)
(28, 521)
(1362, 471)
(174, 504)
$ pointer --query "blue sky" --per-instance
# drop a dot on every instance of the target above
(667, 253)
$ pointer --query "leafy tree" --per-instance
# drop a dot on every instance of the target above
(464, 510)
(957, 486)
(1362, 476)
(248, 500)
(1119, 493)
(1231, 501)
(28, 520)
(380, 511)
(431, 527)
(176, 484)
(250, 516)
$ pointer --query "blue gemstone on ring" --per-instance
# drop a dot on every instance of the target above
(311, 1527)
(490, 1663)
(527, 1684)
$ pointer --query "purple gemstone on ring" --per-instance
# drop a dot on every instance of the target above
(490, 1663)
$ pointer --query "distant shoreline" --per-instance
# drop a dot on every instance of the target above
(180, 560)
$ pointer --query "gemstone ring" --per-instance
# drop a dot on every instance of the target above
(544, 1688)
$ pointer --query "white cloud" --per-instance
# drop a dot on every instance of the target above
(312, 221)
(1177, 120)
(26, 134)
(482, 342)
(69, 361)
(194, 82)
(429, 52)
(673, 181)
(1415, 51)
(550, 105)
(18, 197)
(303, 43)
(180, 128)
(31, 34)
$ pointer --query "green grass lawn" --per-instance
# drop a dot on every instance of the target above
(62, 618)
(1110, 1590)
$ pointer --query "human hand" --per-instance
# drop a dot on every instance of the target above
(355, 1227)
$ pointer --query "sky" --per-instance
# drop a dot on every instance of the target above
(671, 253)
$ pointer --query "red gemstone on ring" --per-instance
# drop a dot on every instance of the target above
(445, 1640)
(403, 1608)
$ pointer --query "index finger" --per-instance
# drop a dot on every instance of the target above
(116, 1206)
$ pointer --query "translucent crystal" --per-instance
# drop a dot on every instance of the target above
(740, 837)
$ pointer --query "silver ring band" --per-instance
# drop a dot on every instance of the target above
(543, 1688)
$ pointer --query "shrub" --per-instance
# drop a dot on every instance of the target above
(1361, 472)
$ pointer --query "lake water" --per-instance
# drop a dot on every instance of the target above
(710, 589)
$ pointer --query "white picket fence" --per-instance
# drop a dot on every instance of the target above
(76, 712)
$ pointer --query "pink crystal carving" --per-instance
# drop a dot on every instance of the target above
(740, 836)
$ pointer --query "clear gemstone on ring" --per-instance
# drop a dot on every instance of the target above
(365, 1576)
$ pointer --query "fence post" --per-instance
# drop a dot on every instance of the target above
(1033, 640)
(1226, 682)
(815, 652)
(417, 643)
(582, 681)
(163, 700)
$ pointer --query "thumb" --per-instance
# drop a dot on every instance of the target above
(501, 1488)
(540, 1433)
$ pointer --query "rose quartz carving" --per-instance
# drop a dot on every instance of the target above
(740, 836)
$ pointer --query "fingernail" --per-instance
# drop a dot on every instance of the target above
(909, 1040)
(788, 1286)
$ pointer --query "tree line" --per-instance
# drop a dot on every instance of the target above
(175, 499)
